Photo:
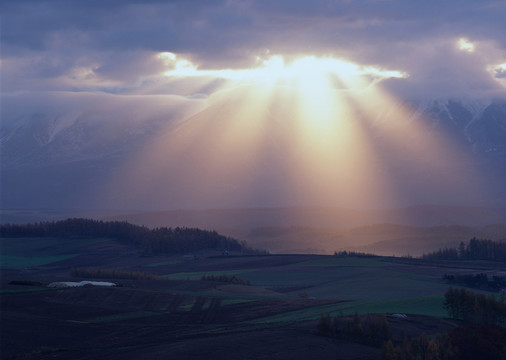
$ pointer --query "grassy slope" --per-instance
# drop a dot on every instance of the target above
(143, 314)
(360, 284)
(363, 284)
(29, 252)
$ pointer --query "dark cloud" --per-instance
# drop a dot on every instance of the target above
(116, 41)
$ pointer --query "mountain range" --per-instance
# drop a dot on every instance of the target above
(158, 153)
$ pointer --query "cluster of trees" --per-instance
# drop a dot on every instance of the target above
(225, 278)
(480, 336)
(468, 342)
(93, 273)
(475, 249)
(153, 241)
(475, 307)
(479, 281)
(353, 254)
(374, 330)
(420, 348)
(77, 228)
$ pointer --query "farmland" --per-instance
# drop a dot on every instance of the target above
(184, 316)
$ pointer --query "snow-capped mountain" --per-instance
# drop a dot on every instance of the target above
(44, 139)
(86, 131)
(70, 156)
(479, 125)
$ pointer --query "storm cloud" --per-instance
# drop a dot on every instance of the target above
(113, 45)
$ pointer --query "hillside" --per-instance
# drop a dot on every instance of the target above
(321, 230)
(182, 314)
(150, 241)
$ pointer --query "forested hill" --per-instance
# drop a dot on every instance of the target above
(155, 241)
(475, 249)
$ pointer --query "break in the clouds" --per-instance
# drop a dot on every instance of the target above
(445, 48)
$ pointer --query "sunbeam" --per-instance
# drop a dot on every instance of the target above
(298, 132)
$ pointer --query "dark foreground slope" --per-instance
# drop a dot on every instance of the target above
(272, 314)
(151, 322)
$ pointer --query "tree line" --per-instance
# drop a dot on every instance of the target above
(479, 281)
(475, 307)
(345, 253)
(467, 341)
(475, 249)
(481, 335)
(372, 330)
(160, 240)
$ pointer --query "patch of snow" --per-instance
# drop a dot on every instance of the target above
(476, 108)
(79, 284)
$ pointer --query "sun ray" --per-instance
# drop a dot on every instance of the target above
(428, 160)
(310, 131)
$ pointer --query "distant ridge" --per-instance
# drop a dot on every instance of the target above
(323, 230)
(313, 216)
(319, 230)
(76, 154)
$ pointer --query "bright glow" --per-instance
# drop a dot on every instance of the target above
(466, 45)
(301, 131)
(167, 56)
(498, 71)
(275, 69)
(180, 66)
(312, 66)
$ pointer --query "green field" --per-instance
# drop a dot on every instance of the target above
(424, 305)
(374, 285)
(310, 313)
(29, 252)
(346, 279)
(430, 306)
(164, 263)
(362, 284)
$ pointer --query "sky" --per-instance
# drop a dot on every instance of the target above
(282, 96)
(443, 48)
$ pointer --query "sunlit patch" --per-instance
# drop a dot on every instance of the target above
(499, 71)
(178, 65)
(81, 73)
(465, 45)
(276, 69)
(312, 66)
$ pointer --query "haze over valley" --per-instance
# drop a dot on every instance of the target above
(109, 152)
(433, 170)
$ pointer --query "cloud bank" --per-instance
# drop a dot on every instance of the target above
(113, 46)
